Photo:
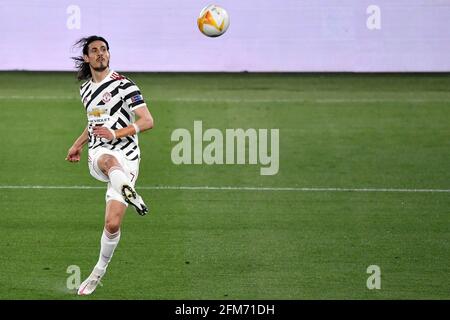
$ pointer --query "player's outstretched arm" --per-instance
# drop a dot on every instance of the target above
(74, 153)
(145, 119)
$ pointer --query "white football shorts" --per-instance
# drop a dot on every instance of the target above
(131, 169)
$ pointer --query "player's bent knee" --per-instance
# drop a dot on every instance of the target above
(106, 162)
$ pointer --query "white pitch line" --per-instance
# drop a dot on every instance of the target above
(39, 98)
(224, 188)
(305, 100)
(239, 100)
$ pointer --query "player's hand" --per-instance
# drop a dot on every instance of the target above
(103, 132)
(74, 154)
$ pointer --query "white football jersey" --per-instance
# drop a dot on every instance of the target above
(111, 103)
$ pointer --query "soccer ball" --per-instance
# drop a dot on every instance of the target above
(213, 21)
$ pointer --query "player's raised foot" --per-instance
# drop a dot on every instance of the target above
(88, 286)
(131, 197)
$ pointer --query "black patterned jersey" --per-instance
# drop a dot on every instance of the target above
(112, 103)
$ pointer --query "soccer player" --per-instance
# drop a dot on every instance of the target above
(112, 102)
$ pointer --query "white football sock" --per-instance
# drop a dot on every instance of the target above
(108, 243)
(118, 178)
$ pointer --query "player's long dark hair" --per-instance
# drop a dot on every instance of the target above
(84, 71)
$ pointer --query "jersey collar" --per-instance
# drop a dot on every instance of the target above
(108, 77)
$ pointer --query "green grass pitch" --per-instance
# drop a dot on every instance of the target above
(380, 131)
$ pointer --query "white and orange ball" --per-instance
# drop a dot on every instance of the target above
(213, 21)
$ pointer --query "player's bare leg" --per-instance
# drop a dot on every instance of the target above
(115, 211)
(121, 183)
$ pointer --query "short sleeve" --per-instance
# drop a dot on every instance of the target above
(132, 95)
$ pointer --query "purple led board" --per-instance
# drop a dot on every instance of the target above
(264, 35)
